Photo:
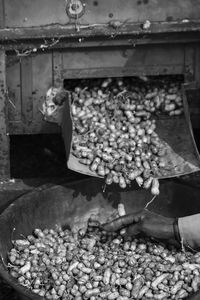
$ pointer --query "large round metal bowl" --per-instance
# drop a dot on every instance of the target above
(71, 205)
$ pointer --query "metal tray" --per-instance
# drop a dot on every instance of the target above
(182, 156)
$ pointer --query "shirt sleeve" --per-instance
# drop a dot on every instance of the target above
(189, 228)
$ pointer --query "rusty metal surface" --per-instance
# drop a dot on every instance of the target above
(133, 41)
(28, 79)
(14, 89)
(58, 68)
(70, 31)
(137, 70)
(2, 15)
(121, 61)
(34, 13)
(43, 12)
(4, 139)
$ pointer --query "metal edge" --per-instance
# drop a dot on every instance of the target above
(184, 87)
(104, 29)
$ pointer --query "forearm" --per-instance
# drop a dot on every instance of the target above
(189, 228)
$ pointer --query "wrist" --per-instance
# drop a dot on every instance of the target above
(168, 229)
(169, 232)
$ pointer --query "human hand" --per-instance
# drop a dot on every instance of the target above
(144, 222)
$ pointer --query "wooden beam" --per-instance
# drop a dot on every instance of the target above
(126, 41)
(105, 30)
(4, 138)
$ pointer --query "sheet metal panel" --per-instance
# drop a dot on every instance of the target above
(94, 62)
(26, 89)
(25, 13)
(189, 63)
(4, 138)
(14, 88)
(28, 79)
(2, 14)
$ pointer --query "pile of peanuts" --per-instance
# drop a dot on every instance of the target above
(114, 128)
(56, 264)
